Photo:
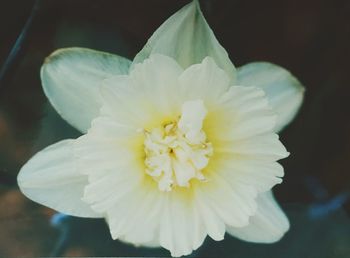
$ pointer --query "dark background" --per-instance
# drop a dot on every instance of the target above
(309, 38)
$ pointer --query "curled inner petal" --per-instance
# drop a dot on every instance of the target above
(177, 151)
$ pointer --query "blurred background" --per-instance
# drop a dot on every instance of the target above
(309, 38)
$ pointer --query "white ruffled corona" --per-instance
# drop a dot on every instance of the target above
(176, 145)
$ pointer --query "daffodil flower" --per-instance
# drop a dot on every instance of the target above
(177, 144)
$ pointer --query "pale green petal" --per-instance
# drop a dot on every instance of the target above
(284, 92)
(268, 225)
(187, 37)
(71, 79)
(51, 178)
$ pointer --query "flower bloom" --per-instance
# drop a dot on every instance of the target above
(176, 145)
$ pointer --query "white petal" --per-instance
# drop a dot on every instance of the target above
(124, 218)
(241, 113)
(112, 160)
(108, 147)
(145, 222)
(149, 218)
(285, 93)
(204, 81)
(268, 225)
(181, 226)
(232, 203)
(149, 93)
(258, 173)
(156, 80)
(262, 147)
(199, 231)
(71, 77)
(187, 37)
(183, 172)
(213, 223)
(50, 178)
(191, 121)
(173, 228)
(123, 103)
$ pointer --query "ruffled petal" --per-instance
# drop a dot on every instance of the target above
(150, 93)
(51, 178)
(205, 81)
(136, 211)
(240, 113)
(212, 221)
(268, 225)
(284, 92)
(142, 226)
(251, 172)
(187, 37)
(181, 228)
(71, 77)
(266, 147)
(230, 201)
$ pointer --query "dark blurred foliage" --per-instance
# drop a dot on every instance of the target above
(310, 38)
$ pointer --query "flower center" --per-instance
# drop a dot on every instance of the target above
(178, 151)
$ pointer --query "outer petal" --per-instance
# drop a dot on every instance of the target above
(268, 225)
(71, 77)
(50, 178)
(187, 37)
(284, 91)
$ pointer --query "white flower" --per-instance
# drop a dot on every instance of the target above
(177, 145)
